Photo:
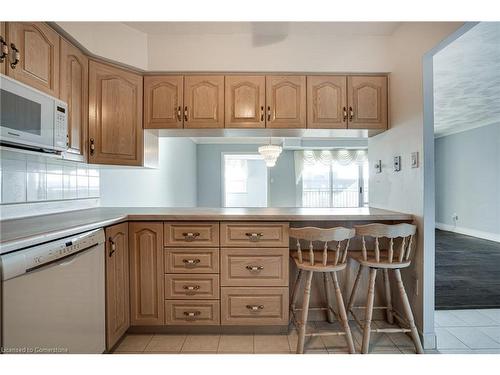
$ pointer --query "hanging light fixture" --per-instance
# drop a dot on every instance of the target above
(270, 153)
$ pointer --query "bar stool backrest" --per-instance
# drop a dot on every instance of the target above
(340, 236)
(401, 241)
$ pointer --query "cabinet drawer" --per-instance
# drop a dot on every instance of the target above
(178, 312)
(193, 260)
(249, 306)
(191, 234)
(191, 286)
(254, 234)
(254, 267)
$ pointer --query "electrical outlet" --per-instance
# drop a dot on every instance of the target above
(454, 217)
(397, 163)
(378, 166)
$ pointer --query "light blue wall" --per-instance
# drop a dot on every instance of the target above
(173, 184)
(282, 188)
(468, 179)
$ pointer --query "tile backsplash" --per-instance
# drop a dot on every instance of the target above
(28, 178)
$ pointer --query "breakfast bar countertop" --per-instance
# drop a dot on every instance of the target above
(24, 232)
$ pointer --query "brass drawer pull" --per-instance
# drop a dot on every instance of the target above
(92, 146)
(191, 288)
(254, 268)
(351, 113)
(179, 109)
(186, 113)
(262, 113)
(112, 246)
(345, 114)
(255, 307)
(254, 236)
(189, 236)
(268, 113)
(191, 315)
(191, 262)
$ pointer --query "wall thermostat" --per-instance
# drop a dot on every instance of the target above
(397, 163)
(378, 166)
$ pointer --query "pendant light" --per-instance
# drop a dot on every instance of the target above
(270, 153)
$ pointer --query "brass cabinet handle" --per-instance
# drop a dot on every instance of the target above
(255, 307)
(17, 56)
(254, 268)
(351, 113)
(179, 118)
(191, 288)
(4, 49)
(254, 236)
(191, 261)
(268, 113)
(190, 315)
(112, 246)
(345, 114)
(261, 113)
(185, 113)
(190, 236)
(92, 146)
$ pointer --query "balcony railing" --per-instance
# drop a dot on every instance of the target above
(330, 198)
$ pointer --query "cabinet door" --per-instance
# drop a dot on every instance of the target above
(146, 273)
(117, 283)
(115, 116)
(73, 89)
(286, 101)
(38, 47)
(204, 101)
(367, 102)
(163, 102)
(327, 102)
(3, 44)
(245, 101)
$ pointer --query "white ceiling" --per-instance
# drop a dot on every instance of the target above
(267, 28)
(467, 81)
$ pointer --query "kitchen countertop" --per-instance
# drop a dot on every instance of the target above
(19, 233)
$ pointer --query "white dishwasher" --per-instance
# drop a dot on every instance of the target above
(53, 296)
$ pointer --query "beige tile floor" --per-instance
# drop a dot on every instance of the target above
(262, 344)
(468, 331)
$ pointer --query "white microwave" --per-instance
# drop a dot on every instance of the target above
(30, 118)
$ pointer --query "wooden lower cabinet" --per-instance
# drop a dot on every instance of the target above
(254, 306)
(146, 273)
(191, 286)
(117, 283)
(192, 260)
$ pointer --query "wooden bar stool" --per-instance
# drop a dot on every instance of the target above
(328, 262)
(401, 239)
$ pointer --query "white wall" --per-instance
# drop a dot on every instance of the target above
(468, 166)
(403, 191)
(173, 184)
(112, 40)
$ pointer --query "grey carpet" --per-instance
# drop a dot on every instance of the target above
(467, 272)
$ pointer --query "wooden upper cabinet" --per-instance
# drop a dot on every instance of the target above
(73, 89)
(245, 101)
(367, 102)
(115, 116)
(38, 47)
(3, 42)
(327, 102)
(286, 101)
(146, 273)
(203, 101)
(117, 283)
(163, 102)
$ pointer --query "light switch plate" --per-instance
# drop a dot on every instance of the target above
(397, 163)
(414, 159)
(378, 166)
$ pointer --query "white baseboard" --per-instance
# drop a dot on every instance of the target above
(469, 232)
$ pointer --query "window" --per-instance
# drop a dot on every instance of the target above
(244, 180)
(335, 185)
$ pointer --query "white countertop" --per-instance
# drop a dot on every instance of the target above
(19, 233)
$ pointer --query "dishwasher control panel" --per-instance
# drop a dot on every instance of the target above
(22, 261)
